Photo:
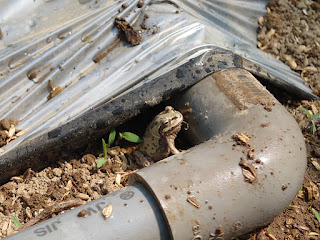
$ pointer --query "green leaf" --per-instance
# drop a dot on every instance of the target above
(104, 146)
(306, 111)
(101, 161)
(317, 214)
(268, 230)
(315, 116)
(311, 129)
(112, 137)
(115, 147)
(16, 222)
(130, 137)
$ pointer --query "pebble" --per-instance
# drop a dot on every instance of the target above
(57, 172)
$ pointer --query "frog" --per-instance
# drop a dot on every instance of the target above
(158, 139)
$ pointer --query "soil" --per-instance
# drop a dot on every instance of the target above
(34, 197)
(289, 31)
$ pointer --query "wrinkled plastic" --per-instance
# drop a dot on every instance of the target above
(75, 44)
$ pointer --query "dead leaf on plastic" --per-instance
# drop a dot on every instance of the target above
(193, 202)
(11, 131)
(20, 133)
(250, 153)
(54, 90)
(248, 171)
(107, 211)
(242, 138)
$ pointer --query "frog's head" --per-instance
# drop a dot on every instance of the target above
(169, 121)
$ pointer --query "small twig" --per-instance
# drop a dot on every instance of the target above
(47, 213)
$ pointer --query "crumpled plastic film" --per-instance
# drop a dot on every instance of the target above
(75, 44)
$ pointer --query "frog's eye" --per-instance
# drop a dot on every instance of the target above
(166, 122)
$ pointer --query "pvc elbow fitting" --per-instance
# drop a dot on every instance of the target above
(224, 186)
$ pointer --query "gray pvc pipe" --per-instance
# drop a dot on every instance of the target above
(201, 193)
(135, 215)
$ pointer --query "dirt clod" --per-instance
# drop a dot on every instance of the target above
(140, 4)
(82, 213)
(128, 33)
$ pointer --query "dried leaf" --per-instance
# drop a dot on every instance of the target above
(18, 134)
(315, 164)
(82, 196)
(54, 90)
(248, 171)
(193, 201)
(242, 138)
(11, 131)
(271, 236)
(118, 179)
(291, 61)
(314, 109)
(313, 234)
(28, 212)
(250, 153)
(303, 228)
(107, 211)
(69, 185)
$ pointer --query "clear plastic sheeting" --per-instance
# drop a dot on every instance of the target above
(75, 46)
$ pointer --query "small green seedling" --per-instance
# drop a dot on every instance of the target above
(103, 159)
(317, 214)
(268, 230)
(112, 137)
(130, 137)
(313, 118)
(16, 222)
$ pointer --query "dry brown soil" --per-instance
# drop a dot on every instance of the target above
(290, 31)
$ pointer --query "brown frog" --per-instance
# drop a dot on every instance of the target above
(158, 139)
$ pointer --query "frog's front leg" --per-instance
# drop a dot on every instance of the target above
(172, 146)
(141, 159)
